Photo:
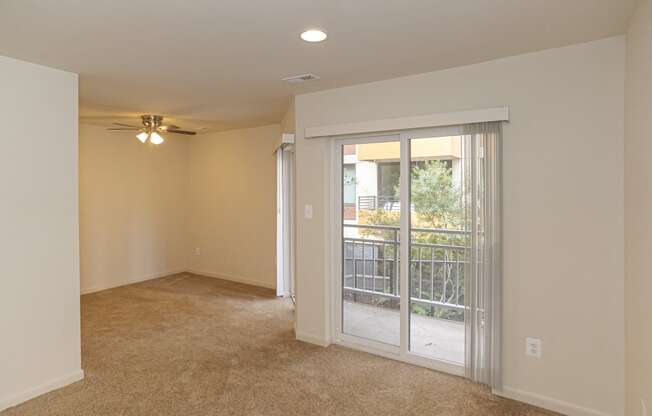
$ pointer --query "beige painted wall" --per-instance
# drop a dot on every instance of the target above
(232, 198)
(39, 284)
(288, 122)
(133, 207)
(563, 211)
(638, 203)
(144, 209)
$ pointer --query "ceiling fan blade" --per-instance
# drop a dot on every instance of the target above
(190, 133)
(125, 125)
(124, 128)
(168, 127)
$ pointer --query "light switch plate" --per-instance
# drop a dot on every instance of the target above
(197, 251)
(533, 347)
(307, 211)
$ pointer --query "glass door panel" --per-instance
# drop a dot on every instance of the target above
(370, 240)
(437, 249)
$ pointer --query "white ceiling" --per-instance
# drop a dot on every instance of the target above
(218, 63)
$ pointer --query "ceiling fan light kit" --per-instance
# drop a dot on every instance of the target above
(142, 136)
(155, 138)
(152, 127)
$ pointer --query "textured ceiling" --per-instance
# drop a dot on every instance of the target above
(218, 64)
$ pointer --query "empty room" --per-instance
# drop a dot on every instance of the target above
(419, 207)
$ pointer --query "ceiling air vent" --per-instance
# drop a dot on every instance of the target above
(297, 79)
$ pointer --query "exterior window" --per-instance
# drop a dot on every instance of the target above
(389, 173)
(349, 184)
(388, 179)
(349, 191)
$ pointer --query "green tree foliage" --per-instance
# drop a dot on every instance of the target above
(379, 217)
(437, 202)
(436, 199)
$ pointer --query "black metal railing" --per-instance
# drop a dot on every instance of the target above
(437, 262)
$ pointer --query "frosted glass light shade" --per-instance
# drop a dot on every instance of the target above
(156, 138)
(142, 136)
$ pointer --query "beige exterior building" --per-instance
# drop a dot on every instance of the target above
(441, 148)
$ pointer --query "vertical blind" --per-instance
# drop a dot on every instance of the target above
(482, 206)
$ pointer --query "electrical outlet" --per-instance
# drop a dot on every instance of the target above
(533, 347)
(643, 408)
(197, 251)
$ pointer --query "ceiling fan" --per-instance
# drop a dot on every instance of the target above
(152, 127)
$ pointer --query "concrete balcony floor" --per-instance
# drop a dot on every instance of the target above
(430, 337)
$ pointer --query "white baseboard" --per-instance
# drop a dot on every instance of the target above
(224, 276)
(46, 387)
(559, 406)
(124, 282)
(233, 278)
(312, 339)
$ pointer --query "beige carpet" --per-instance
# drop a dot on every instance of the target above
(192, 345)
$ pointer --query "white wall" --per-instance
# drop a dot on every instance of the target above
(563, 210)
(232, 201)
(39, 287)
(133, 207)
(638, 203)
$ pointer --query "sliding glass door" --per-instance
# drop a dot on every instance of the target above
(408, 301)
(417, 247)
(438, 244)
(370, 225)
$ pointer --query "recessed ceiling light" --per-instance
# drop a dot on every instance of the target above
(313, 35)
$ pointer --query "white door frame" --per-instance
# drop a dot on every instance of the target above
(288, 219)
(280, 226)
(402, 352)
(284, 221)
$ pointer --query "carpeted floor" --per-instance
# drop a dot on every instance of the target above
(192, 345)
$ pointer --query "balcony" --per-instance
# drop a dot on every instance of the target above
(373, 202)
(371, 289)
